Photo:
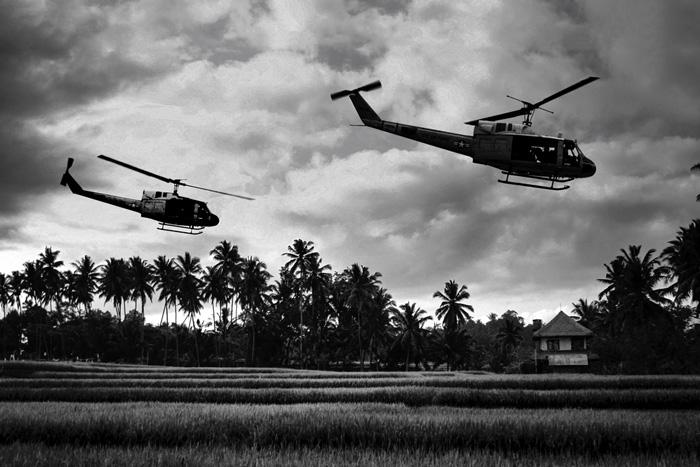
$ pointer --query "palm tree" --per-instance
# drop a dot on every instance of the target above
(228, 262)
(637, 319)
(165, 278)
(509, 337)
(69, 292)
(631, 286)
(362, 287)
(453, 349)
(452, 311)
(318, 283)
(141, 286)
(300, 254)
(165, 281)
(189, 290)
(590, 314)
(16, 283)
(114, 283)
(282, 295)
(85, 281)
(410, 335)
(215, 290)
(5, 293)
(51, 275)
(683, 257)
(32, 282)
(254, 295)
(189, 285)
(380, 310)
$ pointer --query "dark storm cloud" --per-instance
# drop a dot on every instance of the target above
(31, 164)
(646, 53)
(54, 59)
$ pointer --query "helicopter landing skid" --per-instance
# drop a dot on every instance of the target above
(551, 179)
(187, 230)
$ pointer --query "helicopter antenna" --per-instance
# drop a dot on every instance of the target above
(528, 108)
(177, 182)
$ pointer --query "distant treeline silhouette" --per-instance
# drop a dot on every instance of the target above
(233, 313)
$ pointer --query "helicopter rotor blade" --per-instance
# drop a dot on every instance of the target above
(137, 169)
(503, 116)
(573, 87)
(529, 107)
(177, 182)
(216, 191)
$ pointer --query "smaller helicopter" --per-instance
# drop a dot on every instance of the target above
(515, 149)
(174, 212)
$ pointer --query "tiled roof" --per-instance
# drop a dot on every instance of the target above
(562, 325)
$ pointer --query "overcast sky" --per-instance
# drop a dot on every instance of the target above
(234, 95)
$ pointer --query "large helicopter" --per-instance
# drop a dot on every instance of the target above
(175, 213)
(515, 149)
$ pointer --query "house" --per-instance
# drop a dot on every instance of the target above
(562, 345)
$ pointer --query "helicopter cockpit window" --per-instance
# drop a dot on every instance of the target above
(572, 155)
(158, 193)
(500, 127)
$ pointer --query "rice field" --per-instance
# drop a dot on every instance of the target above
(85, 414)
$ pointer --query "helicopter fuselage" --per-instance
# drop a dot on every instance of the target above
(509, 147)
(168, 208)
(172, 208)
(515, 149)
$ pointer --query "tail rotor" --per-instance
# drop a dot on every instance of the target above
(366, 88)
(66, 175)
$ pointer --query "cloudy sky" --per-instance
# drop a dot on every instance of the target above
(234, 95)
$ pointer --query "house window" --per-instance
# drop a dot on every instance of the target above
(578, 343)
(552, 345)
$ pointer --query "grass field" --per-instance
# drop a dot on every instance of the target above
(84, 414)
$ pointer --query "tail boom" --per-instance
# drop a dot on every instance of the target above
(125, 203)
(461, 144)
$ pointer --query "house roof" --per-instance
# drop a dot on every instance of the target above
(562, 325)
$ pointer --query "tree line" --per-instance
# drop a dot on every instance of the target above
(234, 313)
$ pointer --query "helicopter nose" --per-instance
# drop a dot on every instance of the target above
(213, 220)
(588, 168)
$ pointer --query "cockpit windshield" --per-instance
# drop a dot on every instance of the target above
(572, 154)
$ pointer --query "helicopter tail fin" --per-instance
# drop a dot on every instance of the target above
(68, 179)
(364, 110)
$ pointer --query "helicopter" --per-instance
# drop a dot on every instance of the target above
(175, 213)
(546, 162)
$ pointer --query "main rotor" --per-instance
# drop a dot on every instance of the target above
(528, 108)
(177, 182)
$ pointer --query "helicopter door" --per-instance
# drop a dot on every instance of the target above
(492, 148)
(536, 150)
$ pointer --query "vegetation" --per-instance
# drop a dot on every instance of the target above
(233, 313)
(40, 454)
(352, 425)
(260, 415)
